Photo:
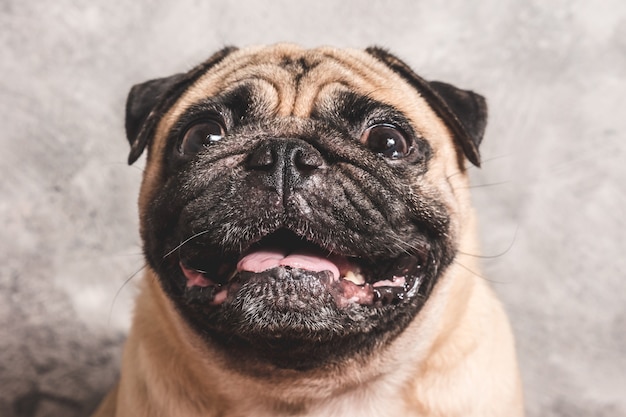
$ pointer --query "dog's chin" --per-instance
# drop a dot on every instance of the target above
(283, 295)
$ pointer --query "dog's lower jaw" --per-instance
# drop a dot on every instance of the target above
(471, 344)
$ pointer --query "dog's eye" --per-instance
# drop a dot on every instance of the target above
(201, 135)
(386, 140)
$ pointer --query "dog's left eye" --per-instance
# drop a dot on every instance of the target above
(201, 135)
(386, 140)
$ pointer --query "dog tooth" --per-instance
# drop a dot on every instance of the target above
(355, 278)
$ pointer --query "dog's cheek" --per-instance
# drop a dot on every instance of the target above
(161, 202)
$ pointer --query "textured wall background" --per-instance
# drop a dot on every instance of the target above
(552, 188)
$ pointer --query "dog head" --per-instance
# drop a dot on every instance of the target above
(299, 206)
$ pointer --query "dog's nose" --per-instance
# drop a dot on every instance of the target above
(283, 164)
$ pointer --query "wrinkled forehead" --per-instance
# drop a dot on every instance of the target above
(287, 80)
(292, 79)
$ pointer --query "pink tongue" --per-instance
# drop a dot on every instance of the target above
(263, 260)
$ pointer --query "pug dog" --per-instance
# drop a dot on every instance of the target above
(310, 244)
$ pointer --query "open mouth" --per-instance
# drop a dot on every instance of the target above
(351, 280)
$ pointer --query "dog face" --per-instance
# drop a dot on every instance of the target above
(299, 206)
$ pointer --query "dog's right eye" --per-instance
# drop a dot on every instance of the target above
(387, 140)
(201, 135)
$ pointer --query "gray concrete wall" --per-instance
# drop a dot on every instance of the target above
(551, 194)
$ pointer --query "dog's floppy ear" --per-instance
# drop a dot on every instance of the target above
(149, 101)
(463, 111)
(469, 107)
(141, 101)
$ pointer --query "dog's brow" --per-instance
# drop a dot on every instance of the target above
(356, 110)
(238, 100)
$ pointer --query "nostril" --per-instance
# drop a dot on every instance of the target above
(262, 158)
(307, 159)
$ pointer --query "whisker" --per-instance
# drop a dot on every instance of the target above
(491, 184)
(185, 242)
(399, 246)
(134, 166)
(404, 246)
(478, 275)
(497, 255)
(119, 290)
(495, 158)
(483, 162)
(460, 171)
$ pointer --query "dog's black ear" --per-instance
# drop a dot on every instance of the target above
(142, 100)
(463, 111)
(149, 101)
(469, 107)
